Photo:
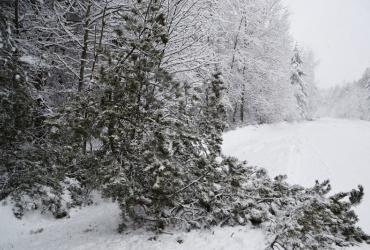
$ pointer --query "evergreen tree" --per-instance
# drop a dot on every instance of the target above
(298, 81)
(157, 152)
(151, 154)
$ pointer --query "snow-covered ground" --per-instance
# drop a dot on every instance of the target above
(327, 148)
(95, 228)
(333, 149)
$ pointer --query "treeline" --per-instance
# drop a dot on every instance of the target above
(267, 78)
(351, 101)
(130, 98)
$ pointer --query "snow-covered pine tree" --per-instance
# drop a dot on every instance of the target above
(299, 83)
(150, 153)
(147, 147)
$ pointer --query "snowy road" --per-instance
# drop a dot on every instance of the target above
(333, 149)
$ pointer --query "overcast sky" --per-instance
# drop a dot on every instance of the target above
(338, 31)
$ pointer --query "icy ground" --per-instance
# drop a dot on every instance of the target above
(327, 148)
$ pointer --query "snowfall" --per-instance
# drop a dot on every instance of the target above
(333, 149)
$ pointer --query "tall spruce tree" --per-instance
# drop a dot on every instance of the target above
(298, 81)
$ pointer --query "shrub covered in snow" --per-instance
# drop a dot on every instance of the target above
(294, 217)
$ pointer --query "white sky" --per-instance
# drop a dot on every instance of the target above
(338, 32)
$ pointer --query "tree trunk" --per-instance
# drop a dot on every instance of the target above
(236, 41)
(242, 105)
(16, 16)
(83, 62)
(235, 112)
(96, 53)
(85, 47)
